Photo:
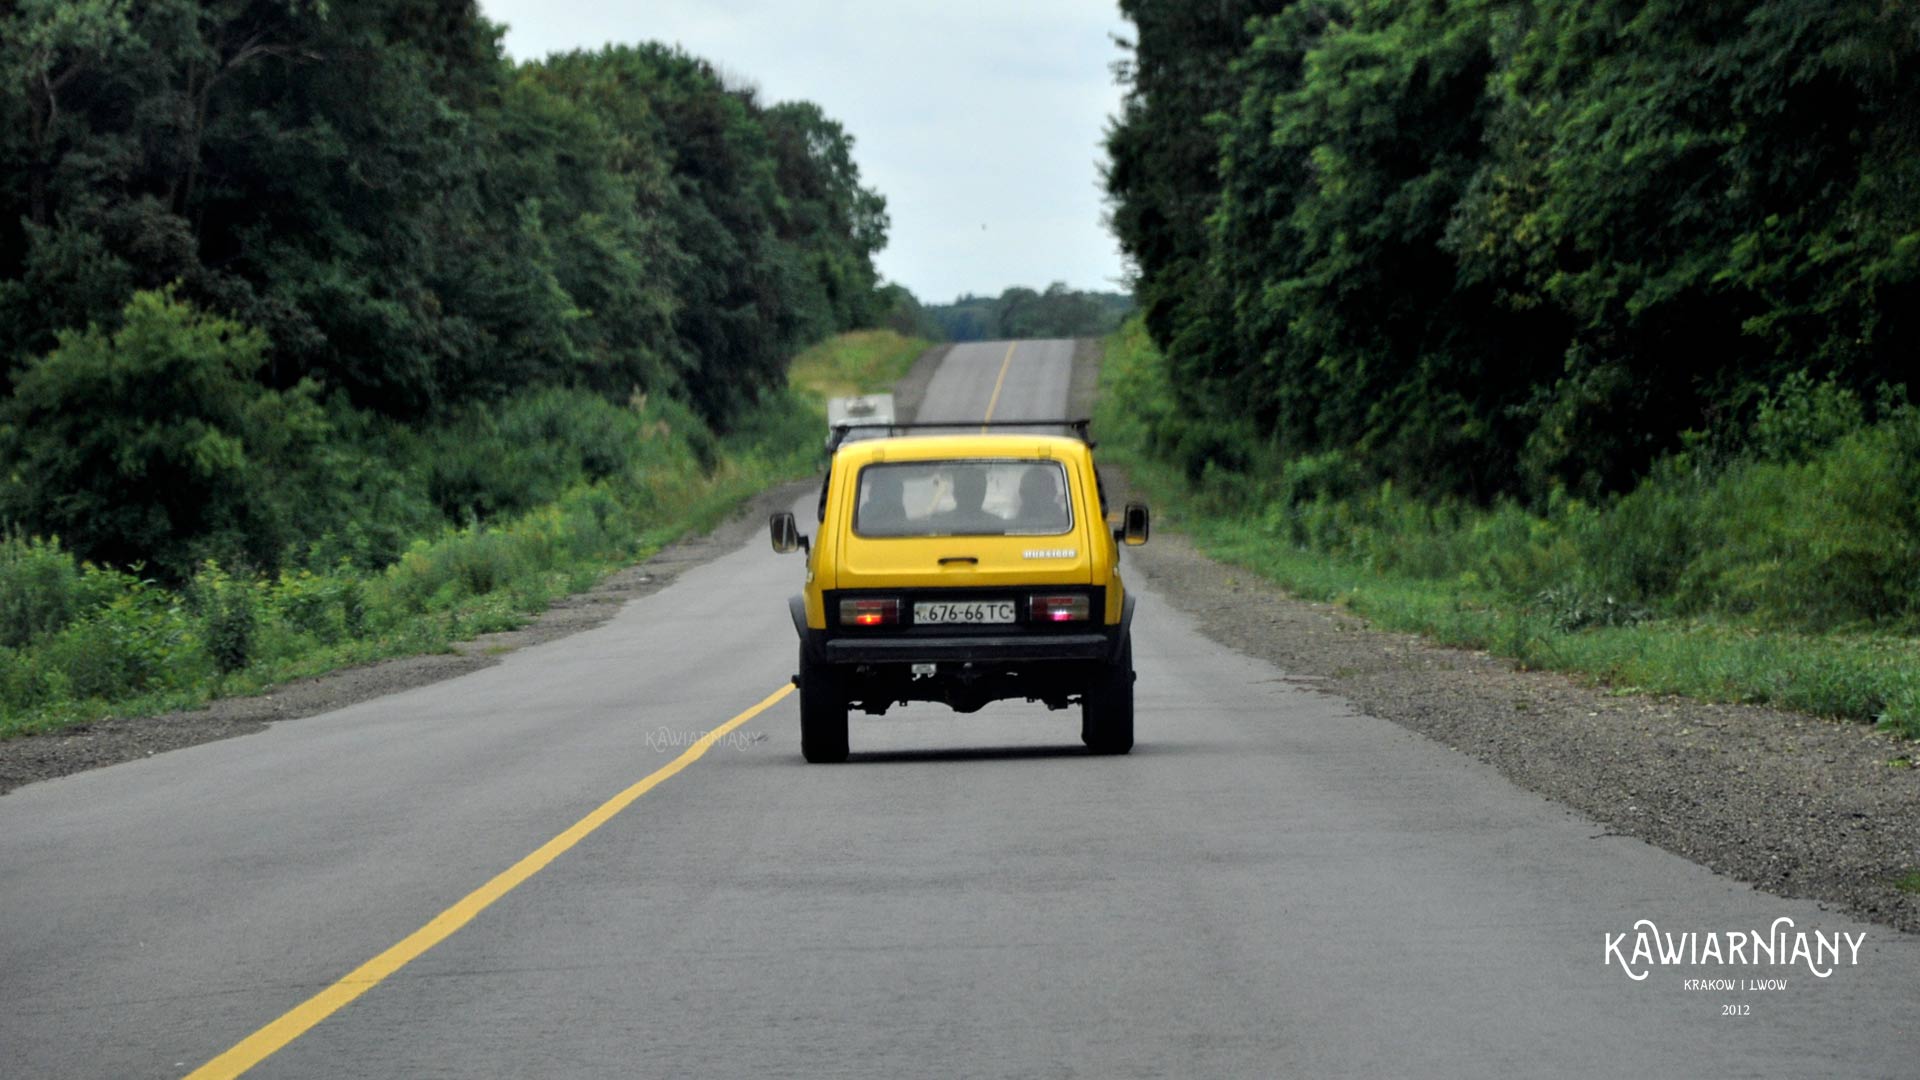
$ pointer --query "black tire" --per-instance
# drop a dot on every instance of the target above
(823, 713)
(1106, 710)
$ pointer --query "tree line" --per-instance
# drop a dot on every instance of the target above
(1021, 312)
(1493, 248)
(1018, 312)
(255, 254)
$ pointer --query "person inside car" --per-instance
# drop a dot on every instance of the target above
(885, 509)
(969, 516)
(1041, 508)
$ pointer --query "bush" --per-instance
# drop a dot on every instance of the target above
(229, 612)
(501, 460)
(23, 683)
(479, 472)
(1831, 539)
(140, 641)
(783, 431)
(434, 576)
(1800, 417)
(39, 589)
(1825, 542)
(1644, 547)
(315, 605)
(154, 442)
(364, 497)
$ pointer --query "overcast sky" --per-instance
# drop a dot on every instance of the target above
(980, 122)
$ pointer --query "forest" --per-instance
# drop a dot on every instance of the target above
(258, 258)
(318, 319)
(1603, 313)
(1495, 247)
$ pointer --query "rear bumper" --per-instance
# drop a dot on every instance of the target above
(1103, 644)
(973, 649)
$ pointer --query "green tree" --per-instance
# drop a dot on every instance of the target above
(154, 442)
(1707, 193)
(829, 226)
(416, 230)
(1358, 129)
(1162, 157)
(1493, 247)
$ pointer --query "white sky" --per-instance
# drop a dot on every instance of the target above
(980, 122)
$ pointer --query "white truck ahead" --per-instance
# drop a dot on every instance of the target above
(866, 417)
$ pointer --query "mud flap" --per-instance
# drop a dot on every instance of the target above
(797, 607)
(1125, 631)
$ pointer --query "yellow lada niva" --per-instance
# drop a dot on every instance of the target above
(964, 569)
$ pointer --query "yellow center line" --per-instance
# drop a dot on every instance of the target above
(262, 1044)
(997, 383)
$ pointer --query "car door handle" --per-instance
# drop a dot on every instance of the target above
(959, 559)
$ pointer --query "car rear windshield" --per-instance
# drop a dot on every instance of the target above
(1000, 497)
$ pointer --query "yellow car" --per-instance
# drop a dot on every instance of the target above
(963, 568)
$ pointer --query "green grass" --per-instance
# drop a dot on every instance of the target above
(862, 362)
(1862, 674)
(1909, 883)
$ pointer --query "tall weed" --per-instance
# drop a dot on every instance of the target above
(39, 589)
(141, 640)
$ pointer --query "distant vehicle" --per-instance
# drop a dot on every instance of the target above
(866, 417)
(964, 569)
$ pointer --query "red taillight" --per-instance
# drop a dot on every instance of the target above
(869, 612)
(1071, 608)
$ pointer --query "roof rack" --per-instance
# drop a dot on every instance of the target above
(1077, 427)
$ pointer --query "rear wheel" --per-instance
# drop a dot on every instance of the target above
(1106, 710)
(823, 713)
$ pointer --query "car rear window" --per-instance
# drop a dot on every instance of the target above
(998, 497)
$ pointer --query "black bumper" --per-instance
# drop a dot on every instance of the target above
(949, 649)
(1103, 644)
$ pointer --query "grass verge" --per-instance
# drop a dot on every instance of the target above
(862, 362)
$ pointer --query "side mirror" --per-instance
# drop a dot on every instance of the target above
(1134, 532)
(786, 534)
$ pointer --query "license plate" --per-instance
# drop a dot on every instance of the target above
(977, 612)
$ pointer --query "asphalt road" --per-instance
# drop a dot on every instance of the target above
(1271, 884)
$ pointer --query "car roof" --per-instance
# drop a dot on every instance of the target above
(950, 446)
